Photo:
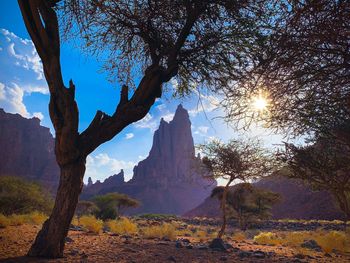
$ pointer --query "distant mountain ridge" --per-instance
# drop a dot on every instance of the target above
(167, 181)
(27, 150)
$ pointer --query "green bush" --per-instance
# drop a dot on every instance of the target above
(110, 205)
(18, 196)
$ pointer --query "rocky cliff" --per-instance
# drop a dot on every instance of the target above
(298, 201)
(167, 181)
(27, 150)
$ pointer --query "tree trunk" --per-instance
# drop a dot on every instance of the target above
(223, 207)
(50, 240)
(343, 202)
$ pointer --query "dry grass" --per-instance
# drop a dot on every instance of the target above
(91, 224)
(329, 241)
(4, 221)
(122, 226)
(162, 231)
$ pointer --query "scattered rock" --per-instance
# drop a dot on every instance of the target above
(217, 244)
(299, 256)
(172, 259)
(202, 247)
(311, 244)
(179, 244)
(189, 246)
(244, 254)
(74, 252)
(223, 258)
(68, 240)
(259, 254)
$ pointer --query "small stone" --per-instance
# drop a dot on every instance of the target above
(74, 252)
(244, 254)
(68, 240)
(311, 244)
(179, 244)
(172, 258)
(300, 256)
(189, 246)
(259, 254)
(328, 255)
(217, 244)
(202, 247)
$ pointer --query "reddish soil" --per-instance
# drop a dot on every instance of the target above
(85, 247)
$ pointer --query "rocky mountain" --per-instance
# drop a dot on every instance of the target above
(27, 150)
(298, 201)
(167, 181)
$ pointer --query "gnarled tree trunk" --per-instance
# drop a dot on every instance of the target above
(50, 240)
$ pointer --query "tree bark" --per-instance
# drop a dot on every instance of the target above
(223, 207)
(51, 238)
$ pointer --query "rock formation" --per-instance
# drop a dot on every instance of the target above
(167, 181)
(27, 150)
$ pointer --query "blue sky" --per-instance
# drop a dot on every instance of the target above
(23, 90)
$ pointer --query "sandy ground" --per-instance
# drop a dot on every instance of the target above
(86, 247)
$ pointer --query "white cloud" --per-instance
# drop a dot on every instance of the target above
(207, 103)
(148, 122)
(11, 99)
(129, 136)
(38, 115)
(101, 166)
(23, 53)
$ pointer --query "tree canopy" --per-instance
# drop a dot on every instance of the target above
(304, 71)
(200, 43)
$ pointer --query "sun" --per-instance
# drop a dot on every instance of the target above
(260, 102)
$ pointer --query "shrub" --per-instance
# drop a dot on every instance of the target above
(162, 231)
(37, 218)
(110, 205)
(4, 221)
(328, 241)
(266, 238)
(17, 220)
(18, 196)
(91, 224)
(333, 240)
(122, 226)
(238, 236)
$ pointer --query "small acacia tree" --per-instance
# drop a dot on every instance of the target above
(247, 203)
(235, 161)
(85, 208)
(201, 43)
(110, 205)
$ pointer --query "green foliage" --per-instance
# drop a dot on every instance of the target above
(247, 203)
(110, 205)
(85, 208)
(158, 216)
(18, 196)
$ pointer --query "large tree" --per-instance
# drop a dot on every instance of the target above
(235, 161)
(207, 43)
(325, 165)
